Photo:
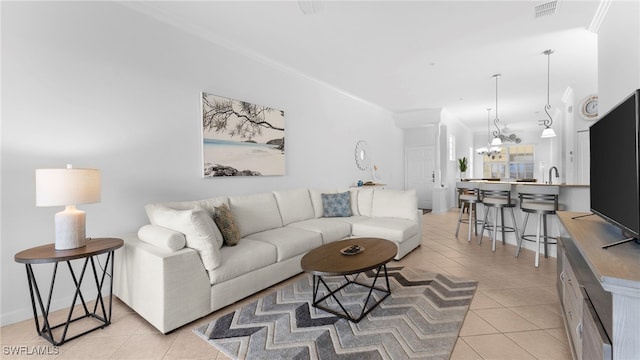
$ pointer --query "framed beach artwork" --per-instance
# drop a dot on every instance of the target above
(241, 139)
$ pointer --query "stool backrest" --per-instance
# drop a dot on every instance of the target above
(496, 190)
(538, 193)
(469, 188)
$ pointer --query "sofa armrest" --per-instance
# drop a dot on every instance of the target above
(167, 288)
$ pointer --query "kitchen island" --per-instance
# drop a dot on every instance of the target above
(573, 197)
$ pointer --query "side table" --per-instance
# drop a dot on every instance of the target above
(48, 254)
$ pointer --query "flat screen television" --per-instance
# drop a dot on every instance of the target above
(615, 185)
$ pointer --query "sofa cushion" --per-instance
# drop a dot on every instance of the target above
(365, 200)
(254, 213)
(397, 230)
(336, 205)
(395, 203)
(294, 205)
(289, 241)
(162, 237)
(331, 229)
(198, 228)
(352, 219)
(227, 225)
(152, 209)
(247, 256)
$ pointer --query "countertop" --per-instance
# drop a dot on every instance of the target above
(528, 183)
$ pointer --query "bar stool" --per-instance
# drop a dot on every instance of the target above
(469, 195)
(541, 200)
(497, 196)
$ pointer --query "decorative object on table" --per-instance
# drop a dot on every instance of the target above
(241, 139)
(68, 187)
(362, 155)
(496, 134)
(360, 183)
(548, 131)
(352, 250)
(589, 108)
(420, 319)
(490, 150)
(462, 166)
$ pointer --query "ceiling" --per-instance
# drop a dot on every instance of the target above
(411, 55)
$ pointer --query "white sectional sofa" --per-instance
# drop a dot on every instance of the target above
(176, 269)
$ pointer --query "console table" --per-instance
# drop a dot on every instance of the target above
(599, 288)
(89, 253)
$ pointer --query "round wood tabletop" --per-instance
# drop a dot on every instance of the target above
(48, 253)
(328, 260)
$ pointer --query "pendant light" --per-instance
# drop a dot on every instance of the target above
(489, 150)
(496, 134)
(548, 131)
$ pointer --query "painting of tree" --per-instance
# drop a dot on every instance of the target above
(241, 139)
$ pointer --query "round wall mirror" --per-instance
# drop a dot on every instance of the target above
(362, 155)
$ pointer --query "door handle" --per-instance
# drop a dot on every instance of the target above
(433, 176)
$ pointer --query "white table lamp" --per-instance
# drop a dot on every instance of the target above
(68, 187)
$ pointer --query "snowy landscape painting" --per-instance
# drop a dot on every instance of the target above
(241, 139)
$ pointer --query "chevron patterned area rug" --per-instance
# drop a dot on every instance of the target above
(420, 320)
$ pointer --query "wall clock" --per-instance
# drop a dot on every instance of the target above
(589, 107)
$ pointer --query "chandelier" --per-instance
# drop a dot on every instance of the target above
(490, 150)
(548, 131)
(496, 134)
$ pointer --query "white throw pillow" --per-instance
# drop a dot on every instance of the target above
(198, 228)
(395, 204)
(162, 237)
(207, 205)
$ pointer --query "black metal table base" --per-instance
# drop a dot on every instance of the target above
(100, 312)
(366, 307)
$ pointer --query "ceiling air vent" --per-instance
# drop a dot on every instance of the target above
(546, 9)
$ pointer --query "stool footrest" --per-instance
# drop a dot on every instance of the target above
(500, 228)
(532, 238)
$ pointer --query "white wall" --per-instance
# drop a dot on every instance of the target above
(98, 85)
(618, 54)
(464, 140)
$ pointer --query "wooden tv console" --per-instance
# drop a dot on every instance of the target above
(599, 288)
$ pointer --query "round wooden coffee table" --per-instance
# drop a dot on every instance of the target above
(328, 260)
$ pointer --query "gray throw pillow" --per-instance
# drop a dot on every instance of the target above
(227, 225)
(336, 205)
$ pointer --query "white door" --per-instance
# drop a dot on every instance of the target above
(420, 173)
(582, 157)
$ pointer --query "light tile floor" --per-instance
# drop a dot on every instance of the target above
(515, 313)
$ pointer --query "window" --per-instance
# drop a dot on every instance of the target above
(513, 162)
(495, 166)
(521, 162)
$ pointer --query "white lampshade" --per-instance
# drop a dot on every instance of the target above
(496, 141)
(548, 133)
(68, 187)
(61, 187)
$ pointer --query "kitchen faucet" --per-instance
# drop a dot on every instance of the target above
(557, 174)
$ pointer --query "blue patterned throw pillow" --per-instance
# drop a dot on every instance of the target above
(336, 205)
